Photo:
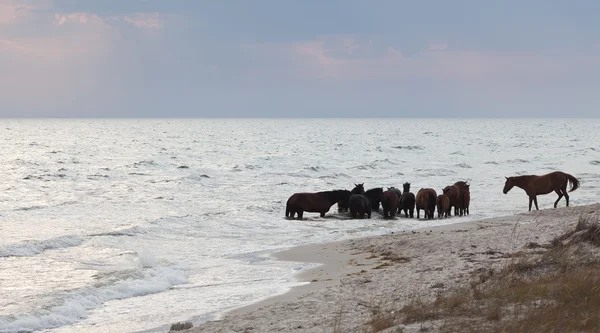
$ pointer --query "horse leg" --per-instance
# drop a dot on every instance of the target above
(560, 195)
(535, 201)
(418, 213)
(300, 213)
(412, 213)
(530, 202)
(322, 214)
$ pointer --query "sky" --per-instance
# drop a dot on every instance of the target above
(299, 58)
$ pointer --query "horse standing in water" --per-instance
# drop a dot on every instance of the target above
(374, 195)
(452, 192)
(407, 201)
(389, 202)
(426, 199)
(399, 195)
(535, 185)
(466, 199)
(443, 205)
(344, 205)
(462, 188)
(359, 206)
(318, 202)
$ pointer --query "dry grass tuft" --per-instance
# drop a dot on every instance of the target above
(181, 326)
(554, 290)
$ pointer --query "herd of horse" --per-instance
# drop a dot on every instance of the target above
(361, 203)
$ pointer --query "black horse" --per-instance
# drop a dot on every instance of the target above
(318, 202)
(407, 201)
(343, 205)
(359, 206)
(375, 195)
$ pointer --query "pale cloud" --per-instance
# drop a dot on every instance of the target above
(153, 21)
(321, 58)
(13, 12)
(438, 46)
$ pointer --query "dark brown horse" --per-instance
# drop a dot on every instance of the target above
(389, 202)
(466, 199)
(452, 192)
(343, 205)
(426, 199)
(374, 195)
(534, 185)
(462, 187)
(318, 202)
(443, 205)
(407, 201)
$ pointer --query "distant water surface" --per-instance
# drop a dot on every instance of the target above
(128, 225)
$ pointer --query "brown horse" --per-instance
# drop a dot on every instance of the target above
(389, 202)
(452, 192)
(466, 199)
(426, 199)
(443, 205)
(318, 202)
(462, 187)
(537, 185)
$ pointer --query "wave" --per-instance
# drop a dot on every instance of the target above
(123, 232)
(492, 162)
(335, 176)
(31, 248)
(75, 305)
(408, 147)
(315, 168)
(595, 162)
(518, 160)
(435, 172)
(31, 208)
(463, 165)
(144, 163)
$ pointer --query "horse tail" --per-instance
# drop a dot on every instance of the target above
(432, 201)
(574, 182)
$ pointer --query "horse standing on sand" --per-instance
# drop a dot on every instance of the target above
(407, 201)
(426, 200)
(374, 195)
(443, 205)
(319, 202)
(359, 206)
(389, 202)
(535, 185)
(343, 205)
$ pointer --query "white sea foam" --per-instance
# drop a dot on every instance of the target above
(76, 305)
(33, 247)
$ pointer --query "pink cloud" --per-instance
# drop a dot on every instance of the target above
(13, 12)
(145, 20)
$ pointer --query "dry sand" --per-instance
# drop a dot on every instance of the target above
(358, 275)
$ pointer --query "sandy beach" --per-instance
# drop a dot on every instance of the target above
(358, 277)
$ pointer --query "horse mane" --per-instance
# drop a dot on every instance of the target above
(376, 189)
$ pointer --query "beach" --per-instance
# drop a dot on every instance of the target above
(357, 277)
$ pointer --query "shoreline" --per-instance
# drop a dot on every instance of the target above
(358, 262)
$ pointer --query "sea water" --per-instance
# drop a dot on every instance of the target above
(130, 225)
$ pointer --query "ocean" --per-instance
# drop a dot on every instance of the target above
(130, 225)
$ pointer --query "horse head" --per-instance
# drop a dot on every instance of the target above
(406, 187)
(508, 184)
(358, 188)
